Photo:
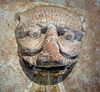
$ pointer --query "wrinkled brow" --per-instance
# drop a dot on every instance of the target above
(61, 31)
(58, 29)
(78, 33)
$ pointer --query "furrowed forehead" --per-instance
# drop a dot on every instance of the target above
(57, 15)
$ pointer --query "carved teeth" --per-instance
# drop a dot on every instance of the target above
(35, 72)
(30, 60)
(64, 61)
(34, 61)
(69, 60)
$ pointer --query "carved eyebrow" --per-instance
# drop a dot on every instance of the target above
(44, 29)
(78, 33)
(60, 30)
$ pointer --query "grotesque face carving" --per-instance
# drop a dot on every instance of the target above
(49, 40)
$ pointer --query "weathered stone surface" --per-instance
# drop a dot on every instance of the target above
(85, 75)
(49, 41)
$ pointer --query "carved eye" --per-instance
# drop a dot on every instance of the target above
(35, 34)
(69, 36)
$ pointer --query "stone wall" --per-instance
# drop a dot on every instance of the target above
(85, 75)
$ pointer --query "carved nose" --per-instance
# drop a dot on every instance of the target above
(50, 54)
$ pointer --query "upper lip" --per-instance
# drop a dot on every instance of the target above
(68, 65)
(55, 65)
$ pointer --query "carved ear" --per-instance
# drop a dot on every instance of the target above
(18, 20)
(83, 24)
(17, 16)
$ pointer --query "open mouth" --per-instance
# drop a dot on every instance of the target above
(57, 66)
(68, 65)
(54, 69)
(48, 74)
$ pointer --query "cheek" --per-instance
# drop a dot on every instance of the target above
(29, 59)
(77, 45)
(29, 45)
(70, 48)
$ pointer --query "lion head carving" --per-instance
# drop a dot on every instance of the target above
(49, 40)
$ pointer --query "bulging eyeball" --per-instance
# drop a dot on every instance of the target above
(69, 36)
(35, 34)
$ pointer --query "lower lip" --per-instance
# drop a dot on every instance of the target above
(53, 71)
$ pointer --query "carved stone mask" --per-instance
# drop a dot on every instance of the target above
(49, 40)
